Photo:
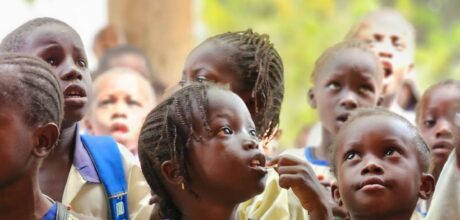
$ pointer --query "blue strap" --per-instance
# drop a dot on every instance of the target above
(106, 158)
(312, 159)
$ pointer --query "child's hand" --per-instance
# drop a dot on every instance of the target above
(298, 175)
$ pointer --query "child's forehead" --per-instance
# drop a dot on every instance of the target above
(381, 126)
(385, 25)
(53, 31)
(360, 61)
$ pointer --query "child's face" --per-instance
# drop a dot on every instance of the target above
(121, 103)
(211, 62)
(436, 121)
(16, 139)
(63, 49)
(226, 164)
(389, 39)
(377, 167)
(349, 80)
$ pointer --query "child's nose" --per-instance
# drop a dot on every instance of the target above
(349, 101)
(71, 72)
(119, 110)
(372, 166)
(251, 144)
(443, 129)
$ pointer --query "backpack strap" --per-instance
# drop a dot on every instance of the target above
(106, 158)
(61, 211)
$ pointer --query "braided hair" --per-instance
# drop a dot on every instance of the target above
(166, 134)
(260, 71)
(34, 88)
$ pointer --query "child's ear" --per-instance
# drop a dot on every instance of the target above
(336, 194)
(311, 98)
(171, 173)
(45, 137)
(427, 186)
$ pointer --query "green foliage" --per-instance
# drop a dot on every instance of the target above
(301, 30)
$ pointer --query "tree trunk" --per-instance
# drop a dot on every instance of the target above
(162, 28)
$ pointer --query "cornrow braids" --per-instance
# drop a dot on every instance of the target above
(423, 152)
(34, 88)
(449, 82)
(348, 44)
(166, 135)
(14, 41)
(261, 72)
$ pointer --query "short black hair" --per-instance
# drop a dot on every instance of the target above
(423, 152)
(14, 41)
(35, 89)
(449, 82)
(348, 44)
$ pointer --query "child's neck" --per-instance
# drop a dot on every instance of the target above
(404, 215)
(22, 199)
(55, 168)
(322, 152)
(208, 210)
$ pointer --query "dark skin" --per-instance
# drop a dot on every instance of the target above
(62, 48)
(231, 147)
(348, 80)
(209, 62)
(23, 148)
(436, 123)
(378, 172)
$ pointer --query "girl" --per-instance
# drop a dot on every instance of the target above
(192, 141)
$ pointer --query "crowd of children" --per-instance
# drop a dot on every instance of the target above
(118, 148)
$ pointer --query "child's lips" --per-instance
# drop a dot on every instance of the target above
(387, 68)
(74, 95)
(372, 183)
(442, 147)
(119, 127)
(342, 118)
(257, 163)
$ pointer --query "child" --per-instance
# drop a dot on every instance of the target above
(381, 164)
(446, 119)
(346, 77)
(122, 99)
(76, 173)
(392, 38)
(435, 121)
(29, 129)
(133, 58)
(191, 142)
(249, 64)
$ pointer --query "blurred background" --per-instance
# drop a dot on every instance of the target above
(300, 29)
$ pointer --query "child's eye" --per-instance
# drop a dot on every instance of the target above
(429, 123)
(105, 102)
(51, 61)
(134, 102)
(350, 155)
(82, 63)
(366, 88)
(200, 79)
(390, 151)
(225, 131)
(182, 83)
(333, 85)
(253, 133)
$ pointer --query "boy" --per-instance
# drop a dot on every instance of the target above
(29, 130)
(392, 38)
(122, 99)
(84, 172)
(381, 165)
